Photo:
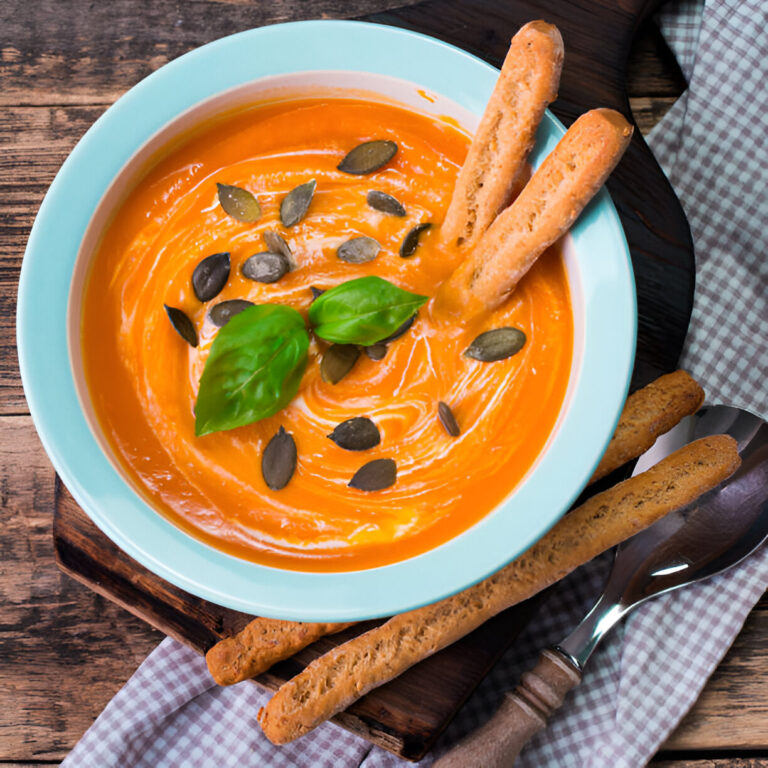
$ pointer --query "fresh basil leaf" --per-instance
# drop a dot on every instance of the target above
(362, 311)
(254, 368)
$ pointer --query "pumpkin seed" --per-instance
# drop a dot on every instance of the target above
(239, 203)
(375, 475)
(381, 201)
(447, 419)
(278, 462)
(210, 276)
(411, 241)
(368, 157)
(376, 351)
(276, 243)
(316, 291)
(337, 362)
(220, 314)
(265, 267)
(356, 434)
(401, 331)
(358, 250)
(496, 344)
(296, 203)
(182, 325)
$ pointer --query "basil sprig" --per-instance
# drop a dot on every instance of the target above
(258, 358)
(362, 311)
(254, 368)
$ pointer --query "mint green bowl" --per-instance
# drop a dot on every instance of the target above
(343, 54)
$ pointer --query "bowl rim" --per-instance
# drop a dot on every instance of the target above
(147, 536)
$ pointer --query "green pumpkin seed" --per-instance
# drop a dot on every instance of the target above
(316, 291)
(239, 203)
(447, 419)
(411, 241)
(497, 344)
(358, 250)
(381, 201)
(337, 362)
(276, 243)
(296, 203)
(210, 276)
(356, 434)
(368, 157)
(278, 462)
(220, 314)
(265, 267)
(401, 331)
(376, 351)
(182, 325)
(375, 475)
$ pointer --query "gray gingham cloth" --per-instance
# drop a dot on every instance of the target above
(640, 683)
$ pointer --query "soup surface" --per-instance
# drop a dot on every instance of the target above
(143, 378)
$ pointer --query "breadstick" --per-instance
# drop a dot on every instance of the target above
(332, 682)
(261, 644)
(495, 166)
(543, 212)
(648, 413)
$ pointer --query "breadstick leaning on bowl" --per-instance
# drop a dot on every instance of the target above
(333, 681)
(495, 168)
(551, 201)
(649, 412)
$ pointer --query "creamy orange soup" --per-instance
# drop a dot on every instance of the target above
(143, 378)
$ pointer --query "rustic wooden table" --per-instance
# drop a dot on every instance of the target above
(65, 651)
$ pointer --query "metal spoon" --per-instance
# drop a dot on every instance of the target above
(698, 541)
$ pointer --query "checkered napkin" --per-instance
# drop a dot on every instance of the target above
(640, 683)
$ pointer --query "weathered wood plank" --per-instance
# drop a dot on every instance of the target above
(732, 711)
(65, 650)
(71, 52)
(34, 142)
(712, 762)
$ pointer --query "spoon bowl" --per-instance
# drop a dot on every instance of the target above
(714, 533)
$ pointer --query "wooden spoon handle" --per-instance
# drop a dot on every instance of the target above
(523, 712)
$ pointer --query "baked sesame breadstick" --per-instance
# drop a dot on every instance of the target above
(495, 167)
(542, 213)
(333, 681)
(261, 644)
(648, 413)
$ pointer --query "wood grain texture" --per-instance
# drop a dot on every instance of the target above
(732, 711)
(65, 650)
(713, 762)
(34, 142)
(72, 52)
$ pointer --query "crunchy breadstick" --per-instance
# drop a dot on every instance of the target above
(495, 166)
(648, 413)
(332, 682)
(261, 644)
(543, 212)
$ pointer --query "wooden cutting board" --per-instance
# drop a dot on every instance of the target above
(406, 715)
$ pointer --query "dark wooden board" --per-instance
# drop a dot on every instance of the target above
(399, 716)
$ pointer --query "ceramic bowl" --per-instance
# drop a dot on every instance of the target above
(398, 65)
